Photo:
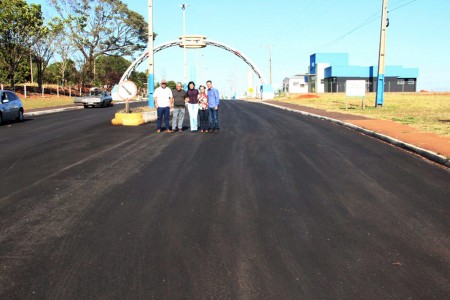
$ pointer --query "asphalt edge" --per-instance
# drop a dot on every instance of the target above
(150, 117)
(55, 110)
(433, 156)
(49, 111)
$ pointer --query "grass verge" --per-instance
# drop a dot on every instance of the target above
(35, 102)
(429, 112)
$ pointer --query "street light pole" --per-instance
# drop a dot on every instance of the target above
(183, 7)
(151, 76)
(269, 47)
(270, 64)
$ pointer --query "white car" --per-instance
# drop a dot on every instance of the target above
(11, 107)
(96, 98)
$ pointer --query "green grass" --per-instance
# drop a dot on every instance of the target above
(429, 112)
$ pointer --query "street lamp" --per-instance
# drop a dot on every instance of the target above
(183, 8)
(151, 76)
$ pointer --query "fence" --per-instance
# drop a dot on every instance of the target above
(47, 89)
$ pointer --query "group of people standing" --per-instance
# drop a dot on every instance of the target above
(202, 104)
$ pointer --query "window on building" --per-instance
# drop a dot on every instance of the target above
(411, 81)
(400, 82)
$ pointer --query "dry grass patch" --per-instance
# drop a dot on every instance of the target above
(428, 112)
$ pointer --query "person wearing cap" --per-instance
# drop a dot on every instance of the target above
(163, 102)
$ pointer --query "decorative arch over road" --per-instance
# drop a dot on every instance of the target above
(144, 56)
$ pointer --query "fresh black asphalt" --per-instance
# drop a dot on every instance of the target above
(275, 206)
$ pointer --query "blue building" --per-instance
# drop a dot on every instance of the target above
(329, 71)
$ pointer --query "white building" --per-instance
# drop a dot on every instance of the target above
(297, 84)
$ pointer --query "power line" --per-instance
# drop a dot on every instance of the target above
(311, 14)
(363, 24)
(369, 20)
(398, 7)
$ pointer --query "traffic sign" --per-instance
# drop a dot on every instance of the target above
(127, 90)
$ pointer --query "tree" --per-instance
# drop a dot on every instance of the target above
(3, 73)
(20, 24)
(171, 84)
(53, 72)
(101, 27)
(65, 51)
(21, 74)
(109, 69)
(43, 50)
(139, 78)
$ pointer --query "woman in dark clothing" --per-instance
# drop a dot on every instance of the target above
(192, 94)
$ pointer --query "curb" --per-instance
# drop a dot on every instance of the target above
(150, 117)
(50, 111)
(147, 118)
(437, 158)
(55, 110)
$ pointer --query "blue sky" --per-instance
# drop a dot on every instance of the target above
(417, 37)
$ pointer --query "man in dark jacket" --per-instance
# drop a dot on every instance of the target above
(179, 102)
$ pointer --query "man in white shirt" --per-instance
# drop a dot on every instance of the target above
(163, 102)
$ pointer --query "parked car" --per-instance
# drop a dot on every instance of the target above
(11, 107)
(96, 98)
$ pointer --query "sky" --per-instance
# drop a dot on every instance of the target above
(417, 37)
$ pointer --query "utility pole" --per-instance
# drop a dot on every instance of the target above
(151, 76)
(183, 7)
(381, 57)
(269, 47)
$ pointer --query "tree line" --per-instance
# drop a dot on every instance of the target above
(85, 43)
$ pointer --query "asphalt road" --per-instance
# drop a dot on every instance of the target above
(275, 206)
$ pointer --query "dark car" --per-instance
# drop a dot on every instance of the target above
(96, 98)
(11, 107)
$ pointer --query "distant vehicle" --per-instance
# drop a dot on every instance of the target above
(11, 107)
(96, 98)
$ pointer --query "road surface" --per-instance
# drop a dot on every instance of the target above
(275, 206)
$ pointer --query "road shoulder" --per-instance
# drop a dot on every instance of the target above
(431, 146)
